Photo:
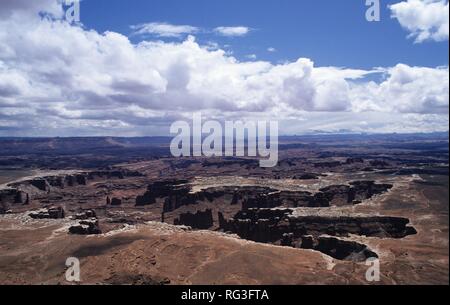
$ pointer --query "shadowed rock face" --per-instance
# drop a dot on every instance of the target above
(22, 192)
(334, 247)
(177, 193)
(200, 220)
(13, 196)
(145, 199)
(116, 202)
(343, 250)
(73, 180)
(269, 225)
(355, 193)
(56, 181)
(40, 184)
(182, 196)
(307, 176)
(327, 164)
(279, 226)
(285, 199)
(161, 189)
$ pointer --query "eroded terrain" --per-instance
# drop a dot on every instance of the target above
(139, 216)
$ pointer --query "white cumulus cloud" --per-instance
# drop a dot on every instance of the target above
(81, 82)
(424, 19)
(406, 90)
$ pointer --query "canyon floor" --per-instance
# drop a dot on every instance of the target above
(132, 214)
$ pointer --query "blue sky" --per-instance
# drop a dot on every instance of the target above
(132, 68)
(331, 33)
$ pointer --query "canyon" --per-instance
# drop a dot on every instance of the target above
(140, 216)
